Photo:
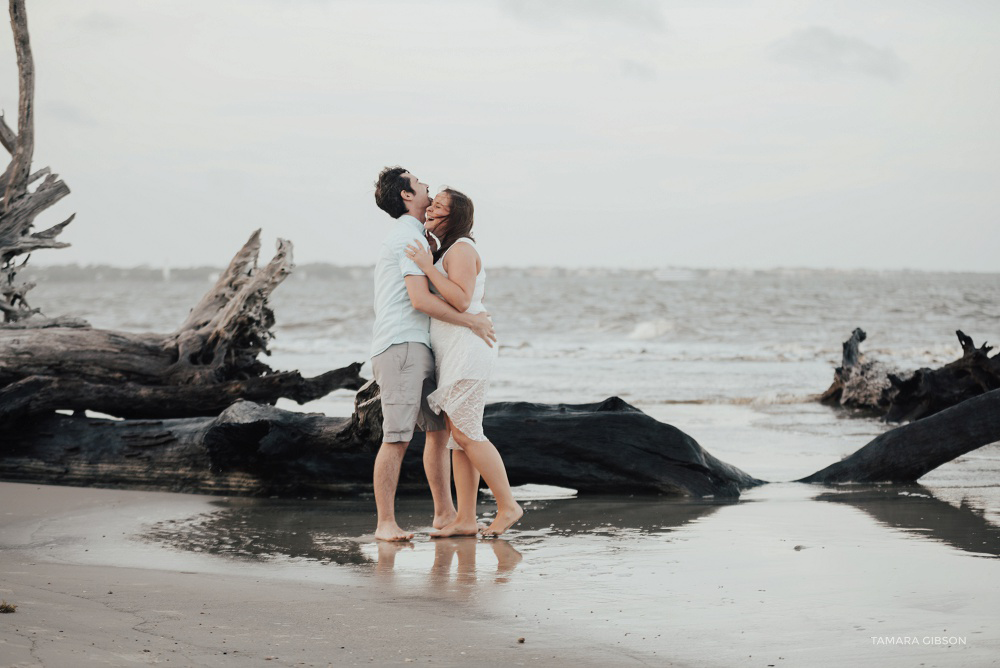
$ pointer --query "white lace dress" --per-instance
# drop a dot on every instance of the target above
(464, 364)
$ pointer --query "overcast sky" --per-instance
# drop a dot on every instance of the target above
(633, 133)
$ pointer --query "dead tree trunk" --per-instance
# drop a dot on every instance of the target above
(906, 453)
(902, 397)
(858, 382)
(19, 207)
(39, 395)
(200, 369)
(208, 363)
(609, 447)
(928, 391)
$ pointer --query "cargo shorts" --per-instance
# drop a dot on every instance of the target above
(405, 376)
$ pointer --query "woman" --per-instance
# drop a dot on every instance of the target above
(464, 364)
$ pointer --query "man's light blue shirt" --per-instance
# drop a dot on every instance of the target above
(396, 321)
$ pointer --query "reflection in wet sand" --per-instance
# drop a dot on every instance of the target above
(915, 509)
(447, 549)
(339, 531)
(387, 555)
(631, 515)
(507, 559)
(265, 530)
(454, 572)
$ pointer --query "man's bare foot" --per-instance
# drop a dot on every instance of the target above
(457, 529)
(504, 520)
(391, 533)
(444, 519)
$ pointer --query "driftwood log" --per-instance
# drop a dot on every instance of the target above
(19, 206)
(928, 391)
(198, 370)
(906, 453)
(609, 447)
(906, 396)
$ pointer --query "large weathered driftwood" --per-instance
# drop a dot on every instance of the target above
(608, 447)
(208, 363)
(38, 395)
(908, 452)
(901, 397)
(18, 206)
(928, 391)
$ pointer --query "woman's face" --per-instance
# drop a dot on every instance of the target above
(437, 213)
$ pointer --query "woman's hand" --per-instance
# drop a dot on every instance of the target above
(420, 256)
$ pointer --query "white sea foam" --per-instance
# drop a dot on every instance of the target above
(773, 399)
(651, 329)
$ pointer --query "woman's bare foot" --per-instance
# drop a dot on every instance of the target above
(504, 520)
(443, 520)
(391, 533)
(457, 529)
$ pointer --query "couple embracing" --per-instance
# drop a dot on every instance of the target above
(432, 356)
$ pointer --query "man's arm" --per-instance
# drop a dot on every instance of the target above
(425, 302)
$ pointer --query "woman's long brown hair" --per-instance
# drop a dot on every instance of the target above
(458, 224)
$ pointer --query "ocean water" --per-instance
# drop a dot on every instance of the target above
(651, 337)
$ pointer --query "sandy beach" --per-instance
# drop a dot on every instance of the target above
(89, 594)
(792, 575)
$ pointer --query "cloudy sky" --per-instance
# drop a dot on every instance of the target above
(637, 133)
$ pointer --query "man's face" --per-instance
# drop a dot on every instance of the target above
(419, 198)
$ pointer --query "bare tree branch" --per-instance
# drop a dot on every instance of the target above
(7, 136)
(18, 206)
(24, 148)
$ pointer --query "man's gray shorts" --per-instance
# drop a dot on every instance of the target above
(405, 376)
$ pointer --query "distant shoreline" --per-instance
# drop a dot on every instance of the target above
(322, 270)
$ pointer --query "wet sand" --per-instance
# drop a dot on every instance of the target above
(791, 575)
(90, 591)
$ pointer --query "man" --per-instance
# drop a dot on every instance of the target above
(402, 361)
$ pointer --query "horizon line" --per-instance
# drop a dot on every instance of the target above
(150, 267)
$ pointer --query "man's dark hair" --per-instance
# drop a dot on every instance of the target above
(388, 187)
